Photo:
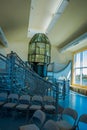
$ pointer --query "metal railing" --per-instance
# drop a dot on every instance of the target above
(17, 76)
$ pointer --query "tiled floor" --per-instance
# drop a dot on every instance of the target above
(74, 100)
(8, 123)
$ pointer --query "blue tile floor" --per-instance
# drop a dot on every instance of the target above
(77, 102)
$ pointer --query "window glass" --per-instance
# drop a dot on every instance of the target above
(80, 68)
(77, 60)
(84, 76)
(77, 76)
(85, 58)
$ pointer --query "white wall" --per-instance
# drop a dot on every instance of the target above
(21, 48)
(60, 59)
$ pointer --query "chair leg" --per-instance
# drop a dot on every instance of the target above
(27, 115)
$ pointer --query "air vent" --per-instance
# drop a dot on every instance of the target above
(3, 39)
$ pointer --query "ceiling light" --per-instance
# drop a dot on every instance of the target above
(75, 42)
(59, 10)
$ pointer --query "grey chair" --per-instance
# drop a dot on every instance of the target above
(50, 125)
(49, 104)
(23, 105)
(82, 119)
(12, 101)
(69, 118)
(36, 103)
(39, 118)
(29, 127)
(35, 122)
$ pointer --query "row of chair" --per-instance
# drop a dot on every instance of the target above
(26, 102)
(40, 123)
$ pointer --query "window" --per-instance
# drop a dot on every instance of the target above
(80, 68)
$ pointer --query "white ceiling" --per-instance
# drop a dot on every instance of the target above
(41, 13)
(14, 20)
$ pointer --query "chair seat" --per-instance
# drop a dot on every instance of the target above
(50, 125)
(29, 127)
(35, 107)
(22, 106)
(49, 107)
(10, 105)
(64, 125)
(1, 103)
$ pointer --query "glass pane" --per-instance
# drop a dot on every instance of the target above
(39, 58)
(45, 59)
(77, 76)
(42, 51)
(77, 60)
(41, 48)
(32, 58)
(29, 57)
(80, 67)
(37, 50)
(32, 48)
(84, 77)
(85, 58)
(32, 51)
(41, 45)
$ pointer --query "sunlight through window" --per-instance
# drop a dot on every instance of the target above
(80, 68)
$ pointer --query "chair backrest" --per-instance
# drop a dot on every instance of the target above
(83, 119)
(13, 97)
(25, 99)
(50, 125)
(48, 99)
(37, 98)
(39, 118)
(71, 113)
